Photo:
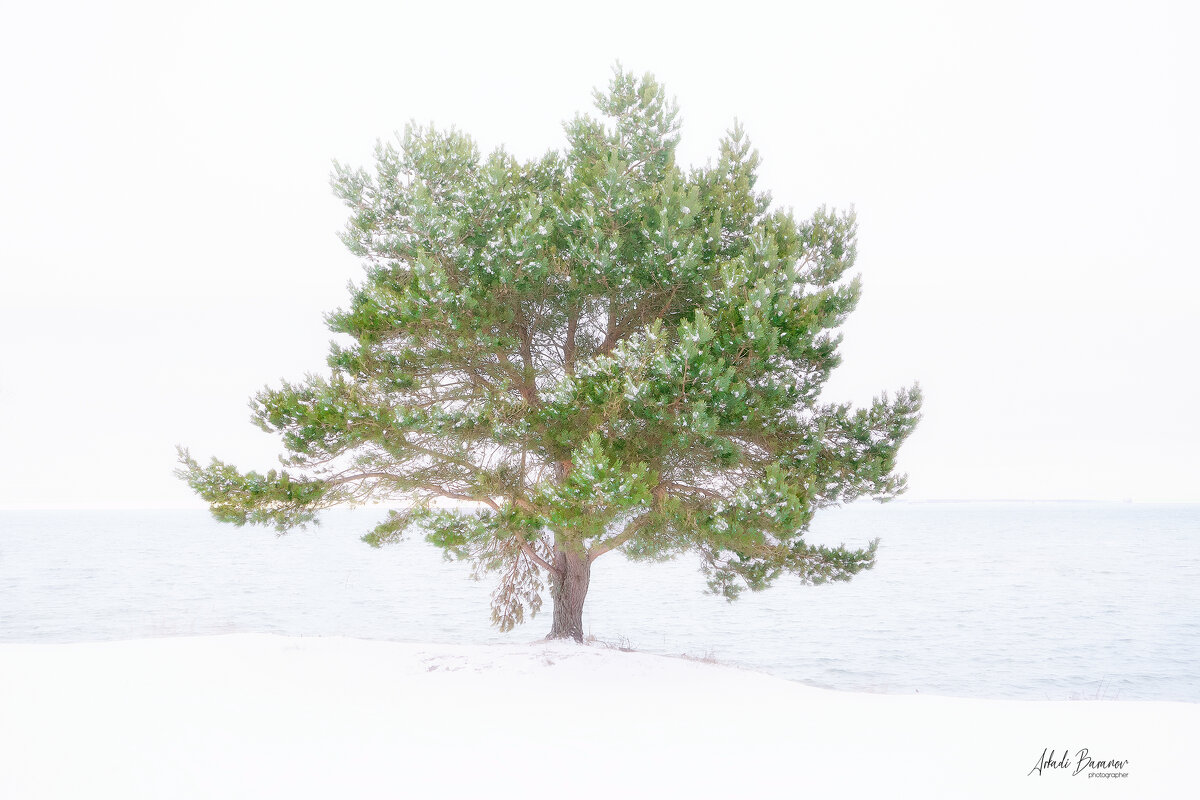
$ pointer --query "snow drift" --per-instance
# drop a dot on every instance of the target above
(266, 716)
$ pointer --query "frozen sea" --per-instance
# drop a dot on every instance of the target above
(992, 600)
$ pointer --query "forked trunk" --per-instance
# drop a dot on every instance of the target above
(568, 588)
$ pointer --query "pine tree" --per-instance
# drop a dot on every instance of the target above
(595, 350)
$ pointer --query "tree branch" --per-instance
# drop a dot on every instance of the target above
(569, 343)
(331, 482)
(525, 548)
(696, 489)
(621, 538)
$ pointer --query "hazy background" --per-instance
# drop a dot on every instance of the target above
(1025, 175)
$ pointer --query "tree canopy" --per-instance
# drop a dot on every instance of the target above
(593, 350)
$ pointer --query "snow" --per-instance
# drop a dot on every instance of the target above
(254, 715)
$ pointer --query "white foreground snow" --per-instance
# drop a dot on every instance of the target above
(257, 716)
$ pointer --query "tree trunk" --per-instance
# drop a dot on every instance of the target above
(568, 588)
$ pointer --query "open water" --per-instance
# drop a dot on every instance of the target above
(995, 600)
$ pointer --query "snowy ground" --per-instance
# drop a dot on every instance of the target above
(260, 716)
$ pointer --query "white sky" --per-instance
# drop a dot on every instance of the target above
(1025, 175)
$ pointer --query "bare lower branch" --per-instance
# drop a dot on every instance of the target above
(696, 489)
(621, 538)
(359, 476)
